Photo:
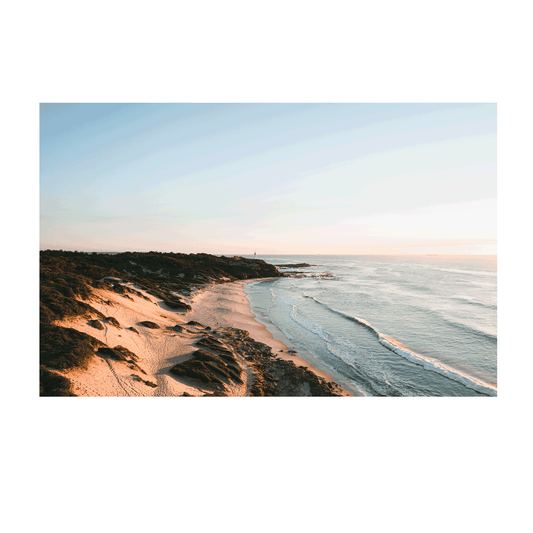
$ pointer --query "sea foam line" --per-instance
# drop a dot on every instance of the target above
(363, 380)
(429, 364)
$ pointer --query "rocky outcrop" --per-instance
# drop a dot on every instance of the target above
(295, 265)
(216, 366)
(274, 376)
(216, 371)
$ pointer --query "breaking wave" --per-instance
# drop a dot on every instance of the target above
(337, 347)
(428, 364)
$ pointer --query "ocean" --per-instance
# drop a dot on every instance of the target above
(388, 325)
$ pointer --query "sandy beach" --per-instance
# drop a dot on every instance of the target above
(227, 305)
(155, 338)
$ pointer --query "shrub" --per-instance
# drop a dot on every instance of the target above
(148, 324)
(52, 384)
(66, 348)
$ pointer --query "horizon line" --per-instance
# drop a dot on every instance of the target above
(251, 253)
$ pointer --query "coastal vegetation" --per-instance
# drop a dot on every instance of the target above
(69, 282)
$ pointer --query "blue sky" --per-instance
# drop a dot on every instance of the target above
(269, 178)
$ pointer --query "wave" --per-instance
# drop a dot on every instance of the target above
(460, 271)
(469, 301)
(429, 364)
(485, 335)
(339, 349)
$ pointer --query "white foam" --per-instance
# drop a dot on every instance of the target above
(435, 366)
(429, 364)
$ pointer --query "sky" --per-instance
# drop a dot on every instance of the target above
(236, 179)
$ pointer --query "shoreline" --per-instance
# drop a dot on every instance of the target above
(308, 359)
(234, 310)
(164, 324)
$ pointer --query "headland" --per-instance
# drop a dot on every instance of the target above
(161, 324)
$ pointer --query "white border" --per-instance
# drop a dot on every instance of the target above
(30, 96)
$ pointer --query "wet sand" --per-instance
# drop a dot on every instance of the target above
(226, 305)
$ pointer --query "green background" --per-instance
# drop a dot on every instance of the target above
(261, 474)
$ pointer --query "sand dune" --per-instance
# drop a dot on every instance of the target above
(152, 350)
